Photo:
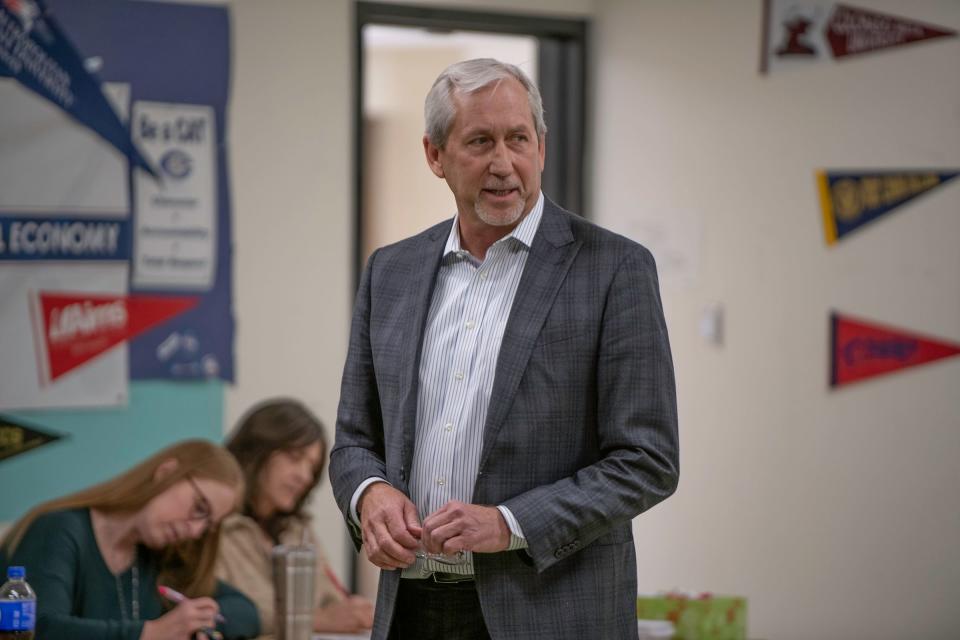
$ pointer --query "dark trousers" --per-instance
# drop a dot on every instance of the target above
(428, 610)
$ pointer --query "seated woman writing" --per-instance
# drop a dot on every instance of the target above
(97, 557)
(281, 447)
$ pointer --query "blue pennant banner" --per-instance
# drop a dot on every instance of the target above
(35, 52)
(852, 199)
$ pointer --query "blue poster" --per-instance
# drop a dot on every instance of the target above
(38, 54)
(83, 218)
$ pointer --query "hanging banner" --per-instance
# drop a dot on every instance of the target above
(81, 238)
(75, 328)
(24, 383)
(797, 33)
(77, 218)
(17, 438)
(851, 199)
(35, 52)
(861, 350)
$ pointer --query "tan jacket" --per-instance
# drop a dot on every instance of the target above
(244, 562)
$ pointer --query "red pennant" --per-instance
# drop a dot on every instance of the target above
(851, 31)
(79, 327)
(862, 350)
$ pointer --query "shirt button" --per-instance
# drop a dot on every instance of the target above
(458, 375)
(483, 276)
(470, 324)
(448, 426)
(441, 481)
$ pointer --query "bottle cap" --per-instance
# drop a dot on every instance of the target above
(16, 573)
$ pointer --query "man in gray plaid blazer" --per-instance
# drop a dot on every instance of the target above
(508, 401)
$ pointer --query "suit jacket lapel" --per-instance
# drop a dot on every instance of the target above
(551, 254)
(426, 259)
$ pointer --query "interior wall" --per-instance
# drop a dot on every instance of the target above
(291, 176)
(832, 511)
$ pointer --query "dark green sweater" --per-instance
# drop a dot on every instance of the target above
(77, 595)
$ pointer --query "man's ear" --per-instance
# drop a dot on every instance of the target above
(543, 150)
(433, 157)
(165, 468)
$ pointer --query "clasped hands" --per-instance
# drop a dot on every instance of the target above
(392, 531)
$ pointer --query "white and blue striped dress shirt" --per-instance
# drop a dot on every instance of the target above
(461, 343)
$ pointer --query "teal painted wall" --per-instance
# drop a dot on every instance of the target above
(99, 443)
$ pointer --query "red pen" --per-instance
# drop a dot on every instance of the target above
(336, 583)
(175, 596)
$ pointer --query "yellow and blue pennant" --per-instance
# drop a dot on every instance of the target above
(851, 199)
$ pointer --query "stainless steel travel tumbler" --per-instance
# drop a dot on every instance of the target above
(293, 578)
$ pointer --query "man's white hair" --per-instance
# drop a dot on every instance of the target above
(467, 77)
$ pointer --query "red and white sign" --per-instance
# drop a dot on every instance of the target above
(851, 31)
(862, 350)
(796, 33)
(75, 328)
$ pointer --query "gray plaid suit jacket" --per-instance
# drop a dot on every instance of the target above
(581, 433)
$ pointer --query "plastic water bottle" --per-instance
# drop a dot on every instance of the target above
(18, 606)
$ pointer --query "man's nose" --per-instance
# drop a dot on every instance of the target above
(500, 164)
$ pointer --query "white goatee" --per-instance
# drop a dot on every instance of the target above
(500, 219)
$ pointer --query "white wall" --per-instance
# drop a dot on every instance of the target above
(833, 512)
(290, 161)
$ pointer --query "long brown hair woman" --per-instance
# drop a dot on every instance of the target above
(96, 557)
(282, 449)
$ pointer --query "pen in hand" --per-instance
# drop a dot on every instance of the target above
(175, 596)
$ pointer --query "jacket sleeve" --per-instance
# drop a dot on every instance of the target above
(636, 425)
(358, 452)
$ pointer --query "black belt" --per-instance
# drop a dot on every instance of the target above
(441, 577)
(450, 578)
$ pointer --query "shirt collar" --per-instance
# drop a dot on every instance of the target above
(523, 232)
